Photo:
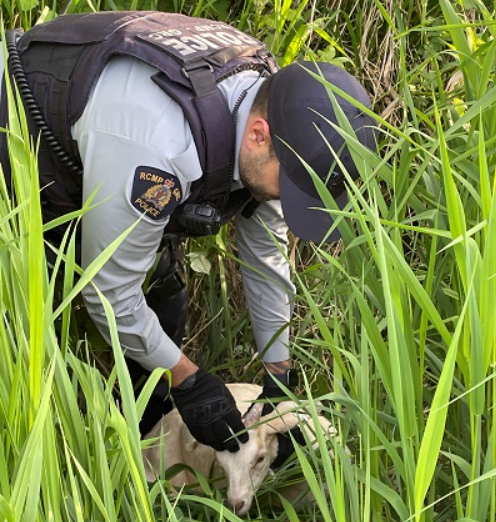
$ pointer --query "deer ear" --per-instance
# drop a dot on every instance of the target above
(282, 419)
(253, 414)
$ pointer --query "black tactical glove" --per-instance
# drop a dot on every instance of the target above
(273, 394)
(209, 411)
(285, 448)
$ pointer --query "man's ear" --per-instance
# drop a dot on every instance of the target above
(257, 133)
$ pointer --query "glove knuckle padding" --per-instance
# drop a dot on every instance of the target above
(209, 410)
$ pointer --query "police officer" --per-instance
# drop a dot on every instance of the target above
(141, 163)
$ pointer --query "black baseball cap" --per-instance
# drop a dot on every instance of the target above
(299, 112)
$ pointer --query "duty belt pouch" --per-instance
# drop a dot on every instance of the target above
(168, 278)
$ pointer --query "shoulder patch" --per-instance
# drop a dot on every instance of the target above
(155, 193)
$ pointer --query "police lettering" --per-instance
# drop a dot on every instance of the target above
(190, 43)
(179, 46)
(228, 38)
(147, 208)
(213, 36)
(151, 177)
(195, 42)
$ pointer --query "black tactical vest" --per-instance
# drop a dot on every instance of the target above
(63, 59)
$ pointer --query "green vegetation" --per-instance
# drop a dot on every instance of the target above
(394, 326)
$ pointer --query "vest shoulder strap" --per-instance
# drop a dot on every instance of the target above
(191, 55)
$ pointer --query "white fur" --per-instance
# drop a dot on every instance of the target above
(244, 470)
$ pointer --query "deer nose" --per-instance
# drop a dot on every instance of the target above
(237, 505)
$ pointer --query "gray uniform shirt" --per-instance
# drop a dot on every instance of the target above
(130, 123)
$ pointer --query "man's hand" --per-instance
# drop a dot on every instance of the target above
(272, 393)
(209, 411)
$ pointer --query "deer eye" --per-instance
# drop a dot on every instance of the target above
(259, 460)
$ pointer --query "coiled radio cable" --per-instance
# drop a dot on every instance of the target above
(30, 104)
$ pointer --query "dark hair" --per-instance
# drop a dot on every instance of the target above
(261, 102)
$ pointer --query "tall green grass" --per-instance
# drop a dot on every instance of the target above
(394, 327)
(412, 343)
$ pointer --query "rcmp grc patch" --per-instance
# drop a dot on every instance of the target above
(155, 193)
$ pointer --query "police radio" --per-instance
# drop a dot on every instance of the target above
(201, 219)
